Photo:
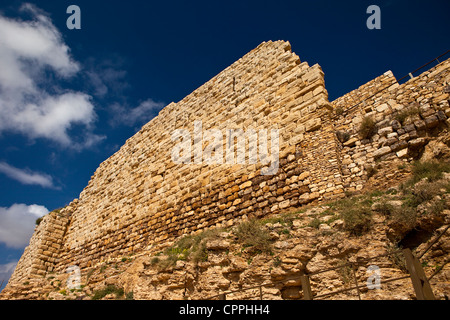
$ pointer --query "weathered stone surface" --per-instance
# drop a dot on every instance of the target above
(409, 127)
(416, 143)
(420, 125)
(313, 124)
(436, 150)
(402, 153)
(351, 142)
(381, 152)
(431, 121)
(217, 244)
(385, 131)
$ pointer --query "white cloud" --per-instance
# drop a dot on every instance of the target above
(28, 51)
(26, 176)
(17, 223)
(6, 271)
(141, 114)
(38, 40)
(53, 116)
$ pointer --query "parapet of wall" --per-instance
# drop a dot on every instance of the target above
(140, 197)
(406, 118)
(42, 254)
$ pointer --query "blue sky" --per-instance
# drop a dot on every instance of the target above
(70, 98)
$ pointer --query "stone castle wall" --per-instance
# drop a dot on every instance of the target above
(424, 98)
(139, 197)
(42, 253)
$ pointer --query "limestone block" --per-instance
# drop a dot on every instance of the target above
(416, 143)
(392, 135)
(382, 108)
(409, 127)
(441, 115)
(217, 244)
(324, 228)
(381, 152)
(395, 125)
(304, 175)
(420, 124)
(399, 145)
(385, 131)
(313, 124)
(351, 142)
(245, 185)
(285, 204)
(431, 122)
(402, 153)
(314, 196)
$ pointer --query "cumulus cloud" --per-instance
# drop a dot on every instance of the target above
(17, 223)
(6, 271)
(30, 50)
(26, 176)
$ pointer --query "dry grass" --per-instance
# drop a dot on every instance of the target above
(367, 128)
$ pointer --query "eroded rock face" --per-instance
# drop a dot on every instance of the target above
(437, 149)
(301, 247)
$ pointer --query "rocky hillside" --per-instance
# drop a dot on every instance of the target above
(406, 213)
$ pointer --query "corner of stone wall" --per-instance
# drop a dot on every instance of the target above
(42, 253)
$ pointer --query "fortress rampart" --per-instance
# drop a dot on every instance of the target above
(140, 197)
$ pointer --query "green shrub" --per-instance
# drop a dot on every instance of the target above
(315, 223)
(251, 234)
(339, 110)
(99, 294)
(428, 169)
(404, 114)
(191, 247)
(356, 213)
(436, 207)
(426, 191)
(417, 193)
(155, 260)
(276, 261)
(367, 128)
(38, 220)
(345, 272)
(284, 219)
(129, 295)
(357, 219)
(384, 207)
(371, 171)
(404, 217)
